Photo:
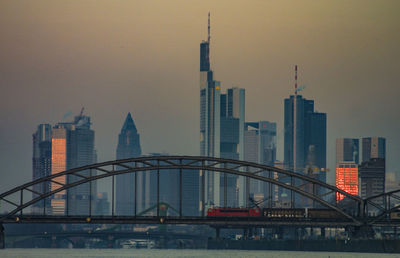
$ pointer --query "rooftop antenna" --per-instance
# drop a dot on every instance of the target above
(295, 120)
(209, 28)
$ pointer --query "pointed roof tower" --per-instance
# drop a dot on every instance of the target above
(129, 125)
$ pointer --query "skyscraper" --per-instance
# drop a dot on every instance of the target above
(65, 146)
(58, 164)
(310, 136)
(80, 152)
(347, 150)
(221, 130)
(347, 156)
(372, 178)
(209, 120)
(347, 178)
(232, 118)
(260, 147)
(128, 147)
(41, 162)
(373, 147)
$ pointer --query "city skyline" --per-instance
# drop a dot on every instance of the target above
(37, 91)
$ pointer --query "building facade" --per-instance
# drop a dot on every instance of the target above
(260, 147)
(41, 163)
(81, 152)
(310, 137)
(128, 147)
(209, 121)
(346, 178)
(58, 164)
(373, 147)
(347, 149)
(372, 177)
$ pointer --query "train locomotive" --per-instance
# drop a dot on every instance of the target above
(298, 213)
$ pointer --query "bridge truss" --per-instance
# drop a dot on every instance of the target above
(313, 190)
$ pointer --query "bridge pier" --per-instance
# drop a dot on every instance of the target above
(217, 231)
(363, 231)
(323, 233)
(2, 238)
(245, 233)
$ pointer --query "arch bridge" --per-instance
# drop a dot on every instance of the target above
(300, 187)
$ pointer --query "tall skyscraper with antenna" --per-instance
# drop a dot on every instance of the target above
(305, 134)
(209, 119)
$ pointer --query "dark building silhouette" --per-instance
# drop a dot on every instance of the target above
(41, 163)
(80, 152)
(373, 147)
(372, 178)
(347, 149)
(311, 136)
(128, 147)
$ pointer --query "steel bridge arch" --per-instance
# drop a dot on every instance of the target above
(210, 164)
(386, 207)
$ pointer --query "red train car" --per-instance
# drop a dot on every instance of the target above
(233, 212)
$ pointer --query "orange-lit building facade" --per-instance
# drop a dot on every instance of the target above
(347, 178)
(59, 164)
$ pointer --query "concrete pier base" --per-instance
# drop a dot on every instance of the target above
(2, 238)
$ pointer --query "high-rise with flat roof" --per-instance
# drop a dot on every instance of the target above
(81, 152)
(66, 146)
(347, 178)
(373, 147)
(310, 136)
(260, 147)
(58, 164)
(347, 157)
(372, 177)
(232, 144)
(41, 163)
(347, 149)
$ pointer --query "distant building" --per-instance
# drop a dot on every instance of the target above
(392, 181)
(221, 132)
(310, 137)
(347, 178)
(102, 204)
(41, 163)
(260, 147)
(58, 164)
(372, 177)
(347, 149)
(373, 147)
(68, 145)
(232, 144)
(81, 152)
(304, 142)
(209, 122)
(128, 147)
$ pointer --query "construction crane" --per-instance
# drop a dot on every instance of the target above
(80, 116)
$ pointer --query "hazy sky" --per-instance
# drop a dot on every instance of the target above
(115, 57)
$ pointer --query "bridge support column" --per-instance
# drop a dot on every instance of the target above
(110, 241)
(217, 231)
(323, 233)
(53, 242)
(364, 231)
(2, 238)
(245, 233)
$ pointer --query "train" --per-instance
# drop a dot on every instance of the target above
(311, 213)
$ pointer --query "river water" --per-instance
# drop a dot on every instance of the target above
(166, 253)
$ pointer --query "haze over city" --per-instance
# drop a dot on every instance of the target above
(115, 57)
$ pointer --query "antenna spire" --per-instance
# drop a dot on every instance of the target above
(209, 28)
(295, 79)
